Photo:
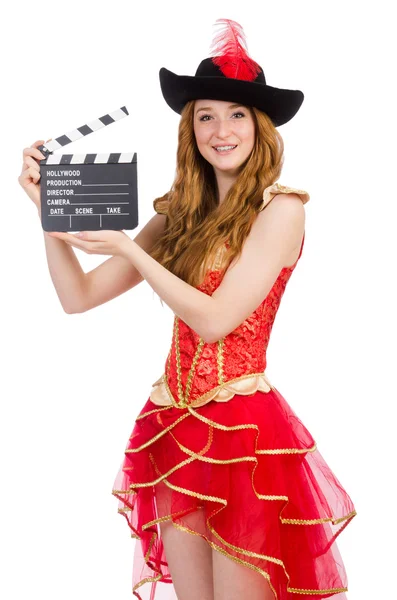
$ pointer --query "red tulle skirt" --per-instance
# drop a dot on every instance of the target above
(247, 476)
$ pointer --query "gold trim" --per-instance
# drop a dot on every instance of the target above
(219, 425)
(219, 257)
(220, 361)
(215, 461)
(161, 392)
(146, 557)
(175, 467)
(329, 591)
(181, 398)
(158, 436)
(223, 502)
(172, 470)
(277, 561)
(167, 517)
(185, 490)
(212, 544)
(168, 361)
(218, 461)
(236, 548)
(150, 412)
(270, 497)
(192, 369)
(237, 560)
(224, 428)
(184, 397)
(277, 188)
(288, 450)
(198, 455)
(317, 521)
(145, 580)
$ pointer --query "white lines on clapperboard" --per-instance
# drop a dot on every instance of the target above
(100, 215)
(90, 204)
(104, 194)
(95, 203)
(103, 184)
(90, 216)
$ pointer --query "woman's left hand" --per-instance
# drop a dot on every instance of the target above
(107, 242)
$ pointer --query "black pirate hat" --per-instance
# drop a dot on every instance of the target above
(231, 75)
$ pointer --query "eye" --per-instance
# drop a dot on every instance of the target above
(236, 113)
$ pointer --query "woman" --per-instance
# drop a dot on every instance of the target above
(221, 482)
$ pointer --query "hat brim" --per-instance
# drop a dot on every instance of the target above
(281, 105)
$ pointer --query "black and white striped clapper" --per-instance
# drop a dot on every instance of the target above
(88, 192)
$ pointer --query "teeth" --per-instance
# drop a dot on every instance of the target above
(224, 148)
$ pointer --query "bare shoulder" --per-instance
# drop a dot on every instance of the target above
(284, 218)
(281, 209)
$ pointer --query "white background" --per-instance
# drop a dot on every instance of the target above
(72, 385)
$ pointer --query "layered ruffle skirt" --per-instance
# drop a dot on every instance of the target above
(251, 473)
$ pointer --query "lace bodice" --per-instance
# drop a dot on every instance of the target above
(196, 372)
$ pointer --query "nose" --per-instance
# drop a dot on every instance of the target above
(224, 128)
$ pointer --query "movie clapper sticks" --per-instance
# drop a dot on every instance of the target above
(88, 192)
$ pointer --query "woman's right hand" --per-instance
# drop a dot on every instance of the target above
(30, 174)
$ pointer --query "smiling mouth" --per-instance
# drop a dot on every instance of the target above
(225, 149)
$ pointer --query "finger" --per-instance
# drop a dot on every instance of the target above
(38, 143)
(30, 162)
(69, 239)
(35, 146)
(93, 236)
(27, 175)
(32, 151)
(62, 235)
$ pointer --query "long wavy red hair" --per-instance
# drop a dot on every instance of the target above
(196, 225)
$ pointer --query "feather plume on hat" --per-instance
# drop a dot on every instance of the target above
(230, 52)
(229, 73)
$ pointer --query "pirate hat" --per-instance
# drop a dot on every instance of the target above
(230, 74)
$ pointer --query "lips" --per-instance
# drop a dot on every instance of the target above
(224, 151)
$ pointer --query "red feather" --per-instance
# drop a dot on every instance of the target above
(230, 52)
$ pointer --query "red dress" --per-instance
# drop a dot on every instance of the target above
(218, 450)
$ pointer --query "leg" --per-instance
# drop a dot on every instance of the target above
(189, 561)
(233, 581)
(189, 556)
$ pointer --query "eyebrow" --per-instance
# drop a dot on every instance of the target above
(210, 108)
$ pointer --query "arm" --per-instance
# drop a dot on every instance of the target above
(65, 270)
(275, 234)
(76, 290)
(79, 291)
(117, 274)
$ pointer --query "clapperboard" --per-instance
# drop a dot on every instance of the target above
(88, 192)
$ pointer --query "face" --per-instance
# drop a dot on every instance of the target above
(218, 123)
